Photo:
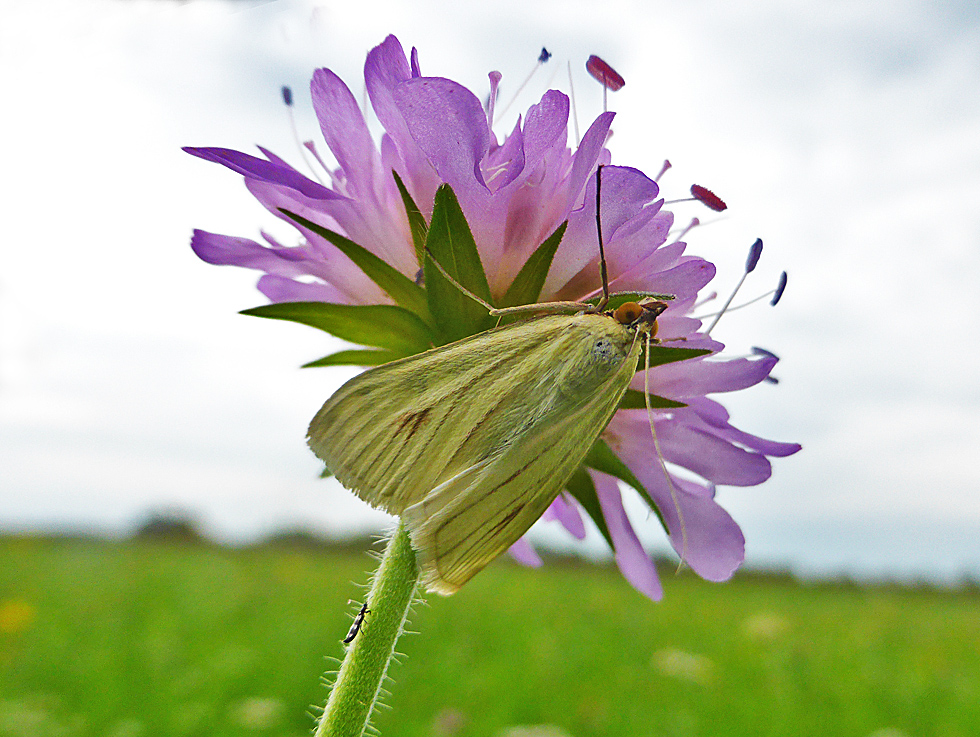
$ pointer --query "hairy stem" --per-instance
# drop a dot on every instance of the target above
(358, 683)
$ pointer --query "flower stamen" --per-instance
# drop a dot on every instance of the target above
(777, 295)
(287, 98)
(690, 226)
(780, 288)
(571, 95)
(757, 351)
(605, 75)
(705, 196)
(755, 251)
(542, 60)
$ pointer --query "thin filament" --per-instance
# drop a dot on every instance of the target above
(496, 115)
(726, 305)
(299, 145)
(571, 94)
(738, 307)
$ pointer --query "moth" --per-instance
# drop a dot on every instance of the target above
(470, 442)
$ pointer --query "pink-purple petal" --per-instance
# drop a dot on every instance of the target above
(715, 419)
(228, 250)
(711, 457)
(565, 510)
(634, 562)
(385, 69)
(524, 553)
(545, 125)
(587, 155)
(694, 378)
(266, 171)
(281, 289)
(681, 280)
(346, 133)
(505, 163)
(448, 123)
(709, 540)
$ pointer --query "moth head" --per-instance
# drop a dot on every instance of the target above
(642, 314)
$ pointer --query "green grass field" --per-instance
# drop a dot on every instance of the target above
(149, 638)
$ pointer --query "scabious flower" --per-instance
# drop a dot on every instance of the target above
(514, 195)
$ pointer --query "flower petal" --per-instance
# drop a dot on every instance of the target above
(385, 69)
(231, 251)
(565, 510)
(715, 419)
(346, 133)
(447, 121)
(523, 552)
(545, 126)
(280, 289)
(713, 458)
(587, 155)
(625, 194)
(327, 262)
(631, 558)
(709, 541)
(682, 280)
(693, 378)
(266, 171)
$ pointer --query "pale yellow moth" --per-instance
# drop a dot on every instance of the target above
(470, 442)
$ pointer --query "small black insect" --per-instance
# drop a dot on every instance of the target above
(356, 626)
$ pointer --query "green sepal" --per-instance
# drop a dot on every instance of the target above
(370, 357)
(383, 326)
(634, 399)
(416, 220)
(326, 473)
(399, 287)
(450, 243)
(662, 354)
(581, 487)
(526, 287)
(601, 458)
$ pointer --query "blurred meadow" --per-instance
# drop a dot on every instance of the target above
(177, 637)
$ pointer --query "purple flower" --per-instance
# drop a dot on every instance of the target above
(514, 195)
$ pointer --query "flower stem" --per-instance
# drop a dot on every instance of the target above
(358, 684)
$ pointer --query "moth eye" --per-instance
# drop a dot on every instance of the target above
(627, 313)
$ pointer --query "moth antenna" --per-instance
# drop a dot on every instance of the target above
(660, 456)
(490, 308)
(555, 307)
(602, 251)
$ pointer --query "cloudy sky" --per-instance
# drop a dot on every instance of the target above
(845, 134)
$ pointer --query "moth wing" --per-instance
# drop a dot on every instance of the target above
(470, 519)
(394, 433)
